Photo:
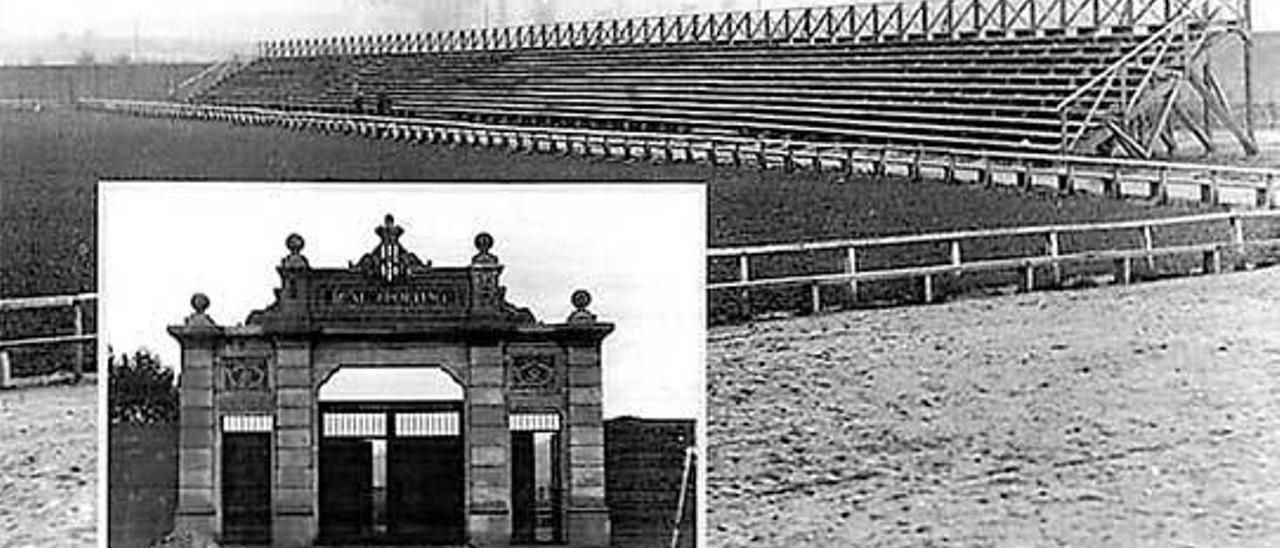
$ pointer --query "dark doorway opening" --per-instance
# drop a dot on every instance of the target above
(536, 508)
(246, 487)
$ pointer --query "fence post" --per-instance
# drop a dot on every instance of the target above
(1269, 193)
(1124, 271)
(1212, 261)
(1148, 244)
(851, 267)
(6, 371)
(78, 367)
(917, 172)
(1209, 192)
(1055, 267)
(1027, 177)
(1161, 193)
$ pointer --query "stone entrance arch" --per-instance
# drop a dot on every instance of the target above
(268, 454)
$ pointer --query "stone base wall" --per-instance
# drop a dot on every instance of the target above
(588, 527)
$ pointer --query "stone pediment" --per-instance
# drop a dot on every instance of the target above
(389, 287)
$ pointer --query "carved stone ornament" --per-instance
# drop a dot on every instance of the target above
(390, 261)
(532, 373)
(245, 374)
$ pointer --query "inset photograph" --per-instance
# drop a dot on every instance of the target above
(423, 364)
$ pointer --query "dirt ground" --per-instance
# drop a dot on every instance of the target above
(1145, 415)
(48, 466)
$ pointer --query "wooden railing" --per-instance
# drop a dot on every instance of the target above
(209, 77)
(1155, 180)
(20, 104)
(78, 337)
(1051, 257)
(859, 21)
(1114, 83)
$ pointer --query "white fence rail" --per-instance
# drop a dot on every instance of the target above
(78, 337)
(1051, 257)
(1159, 181)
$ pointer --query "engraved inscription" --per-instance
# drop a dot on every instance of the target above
(394, 296)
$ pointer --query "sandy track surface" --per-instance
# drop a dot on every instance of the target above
(48, 466)
(1146, 415)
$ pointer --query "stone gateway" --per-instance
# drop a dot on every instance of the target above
(392, 402)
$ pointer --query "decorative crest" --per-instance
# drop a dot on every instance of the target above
(390, 261)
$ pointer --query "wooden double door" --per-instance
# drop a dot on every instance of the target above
(392, 489)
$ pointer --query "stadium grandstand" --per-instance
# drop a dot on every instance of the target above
(1107, 77)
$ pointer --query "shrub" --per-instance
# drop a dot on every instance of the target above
(141, 390)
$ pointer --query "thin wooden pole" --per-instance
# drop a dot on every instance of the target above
(1053, 250)
(684, 489)
(6, 370)
(78, 372)
(851, 267)
(1148, 244)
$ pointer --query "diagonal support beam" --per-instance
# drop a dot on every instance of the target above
(1199, 132)
(1128, 142)
(1219, 112)
(1166, 110)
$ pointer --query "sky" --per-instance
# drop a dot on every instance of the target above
(259, 19)
(639, 250)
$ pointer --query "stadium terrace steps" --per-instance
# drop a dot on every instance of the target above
(995, 94)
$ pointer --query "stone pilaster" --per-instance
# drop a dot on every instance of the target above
(588, 517)
(489, 487)
(197, 487)
(293, 493)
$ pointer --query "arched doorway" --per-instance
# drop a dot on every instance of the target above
(392, 456)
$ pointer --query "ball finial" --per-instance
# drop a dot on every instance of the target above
(484, 242)
(294, 243)
(200, 302)
(580, 299)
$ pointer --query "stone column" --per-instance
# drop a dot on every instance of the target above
(197, 439)
(588, 517)
(488, 441)
(293, 495)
